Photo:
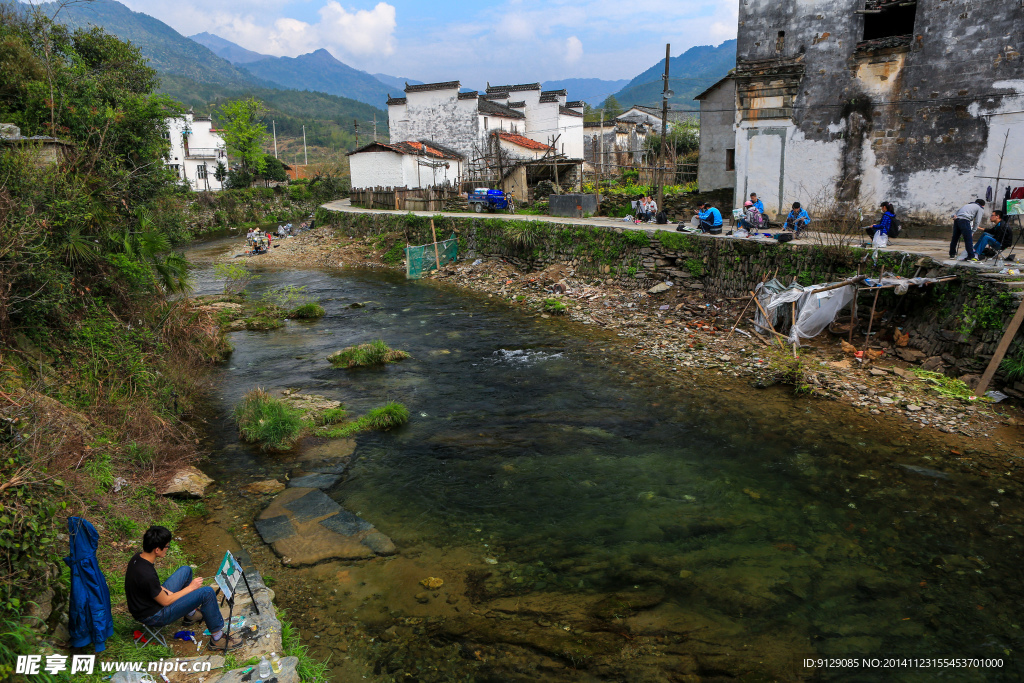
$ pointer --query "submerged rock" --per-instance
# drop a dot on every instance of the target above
(265, 487)
(305, 527)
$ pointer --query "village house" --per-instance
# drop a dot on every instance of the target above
(404, 164)
(919, 103)
(464, 122)
(716, 169)
(196, 150)
(622, 139)
(44, 150)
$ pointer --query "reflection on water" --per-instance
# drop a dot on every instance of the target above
(533, 452)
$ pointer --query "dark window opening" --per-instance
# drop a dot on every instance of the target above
(780, 42)
(730, 160)
(888, 19)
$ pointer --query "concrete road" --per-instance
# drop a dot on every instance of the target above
(936, 249)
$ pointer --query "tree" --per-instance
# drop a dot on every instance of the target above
(245, 132)
(221, 174)
(611, 107)
(273, 169)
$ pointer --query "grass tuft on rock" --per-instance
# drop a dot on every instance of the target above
(308, 311)
(268, 421)
(366, 355)
(388, 416)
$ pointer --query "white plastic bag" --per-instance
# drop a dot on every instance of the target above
(880, 240)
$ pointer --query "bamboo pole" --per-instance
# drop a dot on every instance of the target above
(768, 320)
(437, 257)
(853, 312)
(1004, 344)
(742, 313)
(871, 320)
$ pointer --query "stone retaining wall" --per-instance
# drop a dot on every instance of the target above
(960, 322)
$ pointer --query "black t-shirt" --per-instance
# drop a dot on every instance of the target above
(141, 586)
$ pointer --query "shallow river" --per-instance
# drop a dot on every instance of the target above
(754, 529)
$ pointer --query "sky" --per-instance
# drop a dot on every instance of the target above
(501, 41)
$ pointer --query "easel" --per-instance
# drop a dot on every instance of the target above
(227, 588)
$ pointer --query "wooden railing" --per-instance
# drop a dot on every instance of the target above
(405, 199)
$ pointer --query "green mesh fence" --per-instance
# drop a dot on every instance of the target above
(425, 258)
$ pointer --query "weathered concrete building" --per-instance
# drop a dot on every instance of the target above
(920, 103)
(465, 121)
(717, 164)
(404, 164)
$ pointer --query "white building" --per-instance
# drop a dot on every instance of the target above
(463, 121)
(518, 147)
(404, 164)
(196, 148)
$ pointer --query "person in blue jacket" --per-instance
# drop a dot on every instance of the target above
(884, 223)
(797, 219)
(710, 219)
(756, 203)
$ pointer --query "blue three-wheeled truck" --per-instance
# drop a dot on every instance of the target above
(482, 199)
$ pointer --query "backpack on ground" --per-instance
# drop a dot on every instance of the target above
(895, 226)
(661, 218)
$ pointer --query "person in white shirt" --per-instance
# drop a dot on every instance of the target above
(966, 220)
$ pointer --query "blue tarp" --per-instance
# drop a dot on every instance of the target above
(89, 618)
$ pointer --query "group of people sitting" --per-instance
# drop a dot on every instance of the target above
(645, 210)
(258, 241)
(754, 218)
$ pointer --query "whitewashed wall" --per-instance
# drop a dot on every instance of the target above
(203, 138)
(378, 169)
(571, 142)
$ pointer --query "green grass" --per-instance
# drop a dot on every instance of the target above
(948, 386)
(554, 306)
(308, 311)
(268, 421)
(388, 416)
(366, 355)
(394, 255)
(310, 670)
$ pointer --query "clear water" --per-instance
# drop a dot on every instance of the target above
(764, 518)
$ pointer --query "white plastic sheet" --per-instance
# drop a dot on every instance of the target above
(880, 241)
(817, 309)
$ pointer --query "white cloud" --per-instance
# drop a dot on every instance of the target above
(573, 49)
(363, 32)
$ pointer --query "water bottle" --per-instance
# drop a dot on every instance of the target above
(264, 668)
(275, 663)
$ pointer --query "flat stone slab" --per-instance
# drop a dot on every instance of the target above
(314, 481)
(304, 526)
(275, 528)
(311, 504)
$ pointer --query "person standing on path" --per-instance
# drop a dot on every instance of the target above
(965, 222)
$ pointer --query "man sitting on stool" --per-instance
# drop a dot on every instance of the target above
(710, 219)
(999, 236)
(180, 595)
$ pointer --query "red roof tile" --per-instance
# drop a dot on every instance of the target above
(523, 141)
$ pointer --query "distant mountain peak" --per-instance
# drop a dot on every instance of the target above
(234, 53)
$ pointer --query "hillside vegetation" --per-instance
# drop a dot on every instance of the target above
(689, 74)
(100, 370)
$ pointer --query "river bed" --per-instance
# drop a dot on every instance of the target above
(592, 521)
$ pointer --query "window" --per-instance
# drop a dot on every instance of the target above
(886, 19)
(201, 172)
(780, 42)
(730, 160)
(485, 123)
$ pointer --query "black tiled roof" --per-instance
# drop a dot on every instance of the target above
(578, 104)
(548, 98)
(468, 95)
(569, 112)
(447, 85)
(512, 88)
(395, 100)
(485, 106)
(554, 92)
(521, 103)
(496, 96)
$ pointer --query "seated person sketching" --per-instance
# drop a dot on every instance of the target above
(757, 203)
(797, 219)
(999, 236)
(753, 219)
(180, 596)
(710, 219)
(884, 223)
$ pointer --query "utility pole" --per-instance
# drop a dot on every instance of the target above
(355, 124)
(665, 94)
(375, 127)
(600, 165)
(274, 124)
(305, 156)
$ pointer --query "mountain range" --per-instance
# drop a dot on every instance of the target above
(689, 75)
(326, 94)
